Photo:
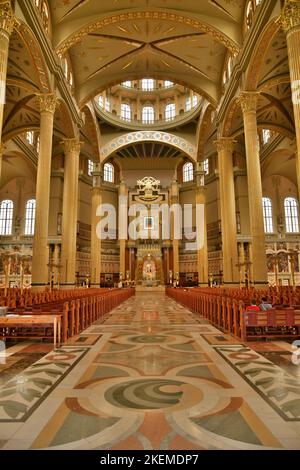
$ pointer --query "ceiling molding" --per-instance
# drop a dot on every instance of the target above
(173, 16)
(149, 136)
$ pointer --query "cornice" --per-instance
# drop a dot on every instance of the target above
(32, 17)
(243, 59)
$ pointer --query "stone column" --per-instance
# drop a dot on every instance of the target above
(96, 235)
(202, 252)
(242, 263)
(248, 102)
(1, 155)
(56, 262)
(123, 193)
(291, 25)
(7, 21)
(70, 212)
(40, 256)
(225, 148)
(175, 242)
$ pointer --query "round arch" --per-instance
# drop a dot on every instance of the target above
(149, 136)
(199, 25)
(226, 128)
(93, 129)
(202, 127)
(36, 54)
(259, 52)
(69, 128)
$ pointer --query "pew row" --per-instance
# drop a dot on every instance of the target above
(230, 314)
(77, 314)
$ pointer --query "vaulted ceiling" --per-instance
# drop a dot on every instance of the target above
(110, 41)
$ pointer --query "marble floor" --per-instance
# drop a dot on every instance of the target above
(150, 375)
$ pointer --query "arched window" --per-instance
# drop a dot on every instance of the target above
(125, 112)
(291, 215)
(195, 101)
(43, 8)
(206, 166)
(67, 70)
(188, 172)
(127, 84)
(100, 101)
(107, 105)
(45, 15)
(148, 115)
(170, 111)
(229, 66)
(6, 217)
(268, 214)
(65, 67)
(30, 217)
(30, 137)
(147, 84)
(266, 136)
(90, 167)
(188, 104)
(109, 173)
(249, 14)
(168, 84)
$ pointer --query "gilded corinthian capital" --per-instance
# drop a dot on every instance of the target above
(248, 101)
(7, 18)
(225, 144)
(72, 146)
(290, 16)
(48, 102)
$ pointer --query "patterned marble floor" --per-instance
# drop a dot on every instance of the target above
(150, 375)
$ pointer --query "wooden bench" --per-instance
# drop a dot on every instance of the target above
(17, 326)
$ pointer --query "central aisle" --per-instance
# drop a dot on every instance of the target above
(151, 375)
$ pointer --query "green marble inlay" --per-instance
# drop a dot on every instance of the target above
(197, 371)
(77, 426)
(106, 371)
(119, 347)
(149, 339)
(230, 425)
(145, 394)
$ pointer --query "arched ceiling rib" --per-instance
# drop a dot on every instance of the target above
(181, 40)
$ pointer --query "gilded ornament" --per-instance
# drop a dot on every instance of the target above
(48, 102)
(225, 144)
(7, 18)
(248, 101)
(290, 16)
